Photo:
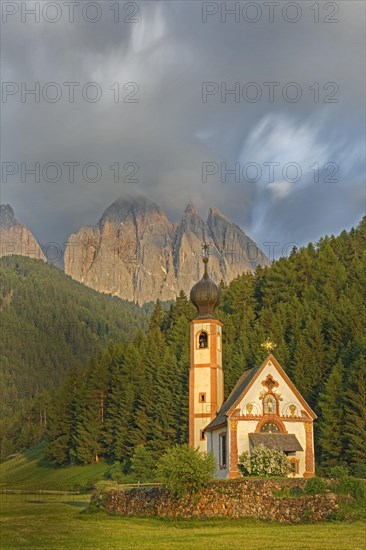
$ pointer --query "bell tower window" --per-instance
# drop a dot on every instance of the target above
(202, 397)
(203, 340)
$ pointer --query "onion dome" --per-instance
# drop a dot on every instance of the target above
(205, 294)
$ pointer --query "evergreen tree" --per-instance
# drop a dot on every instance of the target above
(92, 412)
(355, 416)
(61, 427)
(332, 419)
(310, 353)
(162, 427)
(130, 379)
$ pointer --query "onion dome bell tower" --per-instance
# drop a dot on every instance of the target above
(205, 294)
(206, 378)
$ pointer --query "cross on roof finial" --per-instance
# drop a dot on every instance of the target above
(268, 345)
(205, 252)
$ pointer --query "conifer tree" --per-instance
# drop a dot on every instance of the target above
(132, 384)
(62, 420)
(162, 427)
(178, 344)
(355, 416)
(331, 438)
(309, 358)
(90, 426)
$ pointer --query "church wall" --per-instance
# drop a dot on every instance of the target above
(214, 437)
(202, 356)
(202, 384)
(199, 425)
(220, 387)
(252, 397)
(219, 345)
(244, 428)
(298, 429)
(288, 396)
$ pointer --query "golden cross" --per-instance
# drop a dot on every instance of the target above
(268, 345)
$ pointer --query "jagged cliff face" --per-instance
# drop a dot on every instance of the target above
(136, 253)
(16, 238)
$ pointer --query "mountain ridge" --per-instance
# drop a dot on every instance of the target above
(16, 238)
(135, 252)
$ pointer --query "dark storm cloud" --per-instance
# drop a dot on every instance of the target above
(170, 132)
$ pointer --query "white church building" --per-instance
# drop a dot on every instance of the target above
(264, 406)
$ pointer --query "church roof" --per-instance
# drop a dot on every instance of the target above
(235, 394)
(280, 442)
(243, 383)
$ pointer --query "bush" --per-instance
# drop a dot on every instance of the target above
(116, 472)
(338, 472)
(349, 485)
(185, 470)
(143, 465)
(315, 486)
(360, 471)
(287, 492)
(263, 462)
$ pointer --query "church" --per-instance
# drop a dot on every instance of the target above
(263, 407)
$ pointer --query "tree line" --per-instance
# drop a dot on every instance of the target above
(311, 304)
(49, 324)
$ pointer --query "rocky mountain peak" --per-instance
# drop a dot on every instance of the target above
(15, 238)
(7, 218)
(191, 221)
(190, 210)
(135, 207)
(215, 213)
(135, 252)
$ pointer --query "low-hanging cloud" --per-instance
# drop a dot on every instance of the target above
(169, 131)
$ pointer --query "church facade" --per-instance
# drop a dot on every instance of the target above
(264, 407)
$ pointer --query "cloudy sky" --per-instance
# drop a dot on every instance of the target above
(258, 112)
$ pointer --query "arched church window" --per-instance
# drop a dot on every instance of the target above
(203, 340)
(270, 404)
(270, 428)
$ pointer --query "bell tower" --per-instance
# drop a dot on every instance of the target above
(206, 378)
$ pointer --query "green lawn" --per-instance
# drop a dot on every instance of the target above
(59, 522)
(30, 471)
(39, 521)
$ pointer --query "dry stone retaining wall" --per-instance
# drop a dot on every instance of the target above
(234, 499)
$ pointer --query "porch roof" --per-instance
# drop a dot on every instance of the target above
(280, 442)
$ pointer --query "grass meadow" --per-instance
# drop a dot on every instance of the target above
(31, 471)
(35, 520)
(50, 522)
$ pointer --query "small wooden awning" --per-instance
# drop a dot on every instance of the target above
(280, 442)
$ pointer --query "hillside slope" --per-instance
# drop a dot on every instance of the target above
(30, 471)
(48, 324)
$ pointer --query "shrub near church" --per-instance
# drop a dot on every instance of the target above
(263, 462)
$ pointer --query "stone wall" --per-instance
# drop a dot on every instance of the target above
(234, 499)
